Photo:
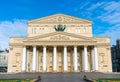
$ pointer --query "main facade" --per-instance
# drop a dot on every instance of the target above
(59, 43)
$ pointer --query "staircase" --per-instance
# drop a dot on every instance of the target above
(59, 77)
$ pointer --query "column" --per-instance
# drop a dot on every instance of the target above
(65, 59)
(44, 59)
(24, 60)
(37, 62)
(92, 57)
(34, 59)
(27, 65)
(54, 59)
(85, 60)
(96, 58)
(75, 59)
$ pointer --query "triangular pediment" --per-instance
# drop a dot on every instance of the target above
(59, 18)
(59, 36)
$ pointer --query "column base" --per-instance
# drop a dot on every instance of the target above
(33, 71)
(65, 71)
(75, 71)
(23, 71)
(44, 71)
(55, 71)
(85, 71)
(96, 71)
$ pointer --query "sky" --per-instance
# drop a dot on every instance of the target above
(14, 15)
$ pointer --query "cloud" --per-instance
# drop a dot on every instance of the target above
(9, 29)
(107, 18)
(97, 5)
(114, 33)
(111, 12)
(111, 16)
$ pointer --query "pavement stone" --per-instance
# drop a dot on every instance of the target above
(60, 77)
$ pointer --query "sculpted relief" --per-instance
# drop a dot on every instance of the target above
(59, 37)
(59, 18)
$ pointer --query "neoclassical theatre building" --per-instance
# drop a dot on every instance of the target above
(59, 43)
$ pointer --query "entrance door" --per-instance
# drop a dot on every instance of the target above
(50, 69)
(69, 68)
(60, 69)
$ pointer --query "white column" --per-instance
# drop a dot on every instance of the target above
(96, 58)
(85, 59)
(75, 59)
(44, 59)
(24, 60)
(34, 59)
(27, 67)
(54, 59)
(92, 57)
(65, 59)
(37, 62)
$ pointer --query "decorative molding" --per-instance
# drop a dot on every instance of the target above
(59, 18)
(59, 37)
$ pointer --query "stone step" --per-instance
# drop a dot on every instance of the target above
(60, 77)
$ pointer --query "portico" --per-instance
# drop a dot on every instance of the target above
(68, 62)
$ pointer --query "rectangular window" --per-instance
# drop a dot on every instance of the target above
(78, 58)
(50, 58)
(41, 58)
(33, 30)
(68, 58)
(60, 59)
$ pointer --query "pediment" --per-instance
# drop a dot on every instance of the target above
(59, 36)
(59, 18)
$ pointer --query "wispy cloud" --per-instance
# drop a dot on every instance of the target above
(111, 12)
(111, 15)
(97, 5)
(8, 29)
(114, 33)
(106, 18)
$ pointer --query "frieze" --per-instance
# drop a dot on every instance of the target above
(59, 37)
(61, 43)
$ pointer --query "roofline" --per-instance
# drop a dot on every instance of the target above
(59, 14)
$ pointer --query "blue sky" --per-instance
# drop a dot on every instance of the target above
(14, 15)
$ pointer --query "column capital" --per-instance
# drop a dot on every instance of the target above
(75, 45)
(34, 46)
(44, 46)
(85, 46)
(24, 46)
(65, 46)
(95, 45)
(54, 45)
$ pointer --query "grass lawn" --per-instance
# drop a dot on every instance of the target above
(16, 80)
(106, 80)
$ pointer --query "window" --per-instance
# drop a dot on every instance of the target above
(60, 59)
(50, 58)
(78, 58)
(4, 57)
(68, 58)
(33, 30)
(84, 29)
(77, 30)
(41, 58)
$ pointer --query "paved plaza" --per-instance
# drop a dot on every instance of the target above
(61, 77)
